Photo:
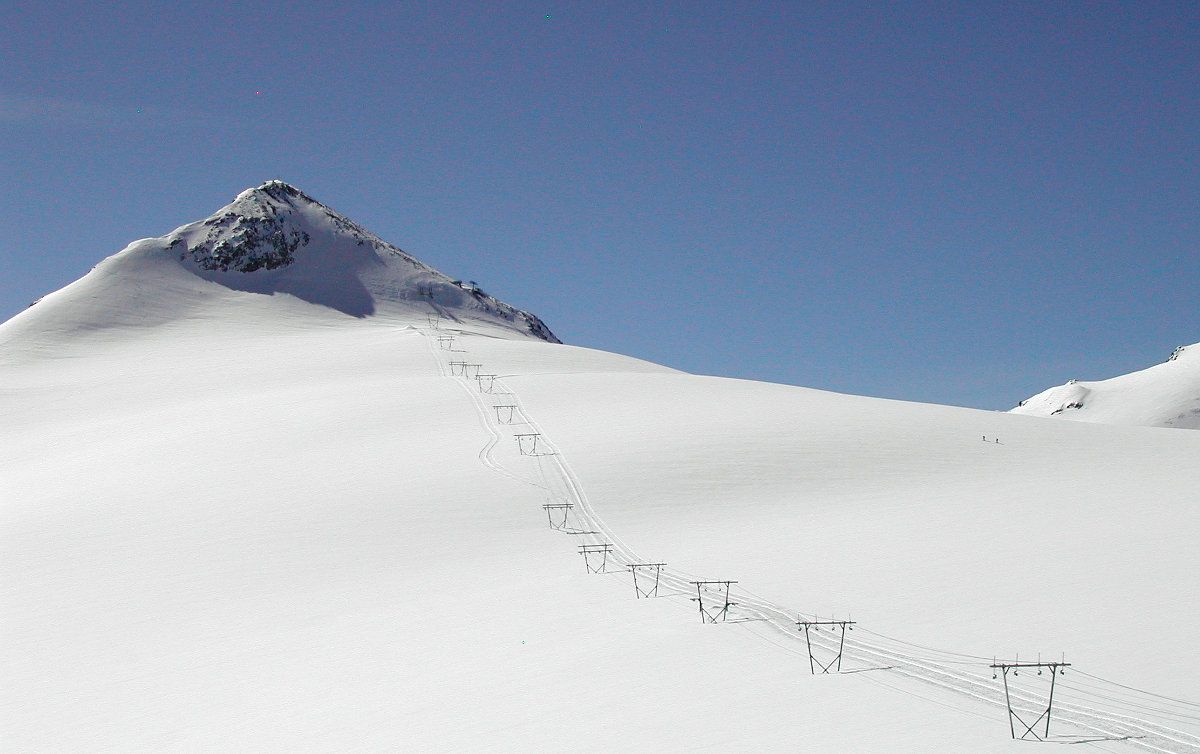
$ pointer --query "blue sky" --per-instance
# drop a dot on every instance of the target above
(957, 203)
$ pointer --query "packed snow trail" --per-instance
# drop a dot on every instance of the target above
(558, 483)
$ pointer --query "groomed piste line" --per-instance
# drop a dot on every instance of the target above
(882, 654)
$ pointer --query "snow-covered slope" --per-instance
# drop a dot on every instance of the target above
(1165, 395)
(256, 523)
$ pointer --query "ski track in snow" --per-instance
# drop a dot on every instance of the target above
(559, 484)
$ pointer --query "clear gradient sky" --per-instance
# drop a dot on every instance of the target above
(948, 202)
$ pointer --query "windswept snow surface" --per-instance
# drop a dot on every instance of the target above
(235, 521)
(1165, 395)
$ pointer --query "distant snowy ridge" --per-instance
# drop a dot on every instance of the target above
(1165, 395)
(275, 241)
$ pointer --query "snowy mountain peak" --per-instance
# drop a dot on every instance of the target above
(276, 189)
(263, 228)
(282, 246)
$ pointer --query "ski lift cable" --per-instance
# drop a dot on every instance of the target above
(572, 485)
(1140, 691)
(1140, 708)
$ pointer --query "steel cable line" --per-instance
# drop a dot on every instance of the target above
(917, 668)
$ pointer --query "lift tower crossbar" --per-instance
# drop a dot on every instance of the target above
(815, 625)
(527, 444)
(713, 614)
(506, 414)
(1056, 669)
(487, 382)
(551, 508)
(642, 590)
(591, 553)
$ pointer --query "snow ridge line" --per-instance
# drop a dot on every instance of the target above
(752, 607)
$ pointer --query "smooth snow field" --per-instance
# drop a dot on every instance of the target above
(332, 500)
(308, 534)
